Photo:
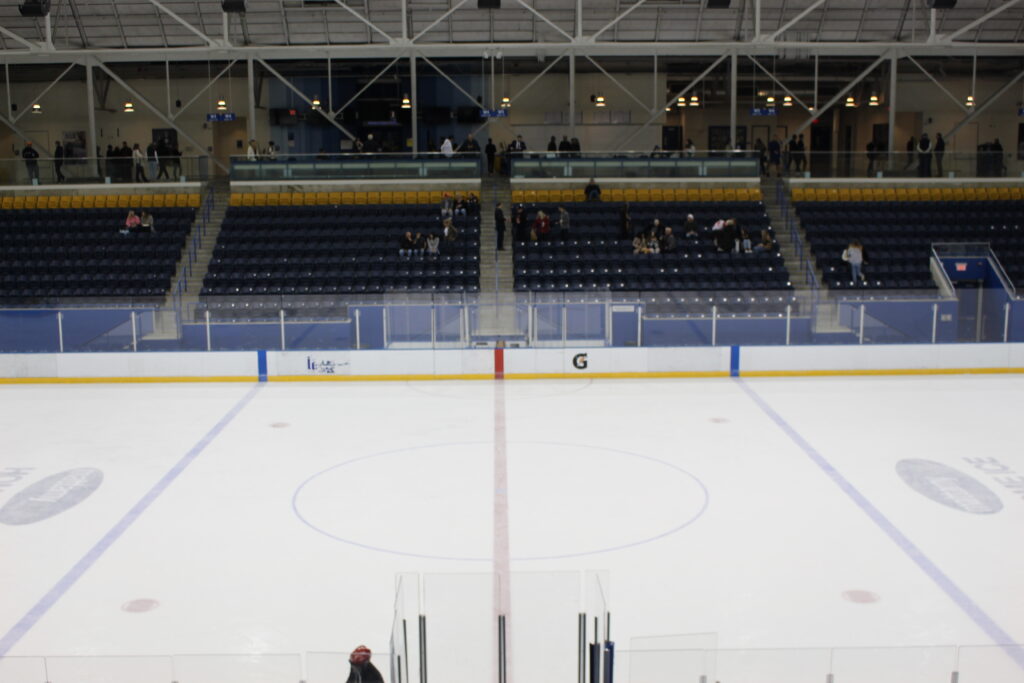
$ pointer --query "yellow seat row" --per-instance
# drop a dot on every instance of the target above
(905, 194)
(320, 198)
(729, 194)
(99, 201)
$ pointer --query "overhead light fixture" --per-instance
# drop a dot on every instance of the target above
(970, 101)
(668, 107)
(316, 102)
(37, 109)
(222, 105)
(762, 93)
(850, 102)
(505, 103)
(599, 101)
(787, 101)
(129, 108)
(770, 100)
(694, 101)
(873, 101)
(406, 102)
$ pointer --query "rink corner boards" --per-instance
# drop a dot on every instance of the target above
(409, 365)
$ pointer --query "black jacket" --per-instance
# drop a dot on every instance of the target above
(364, 673)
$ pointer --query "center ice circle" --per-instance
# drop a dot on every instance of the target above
(438, 501)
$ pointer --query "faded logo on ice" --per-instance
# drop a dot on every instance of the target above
(51, 496)
(948, 486)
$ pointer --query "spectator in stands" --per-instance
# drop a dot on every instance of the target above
(176, 160)
(762, 156)
(433, 246)
(419, 245)
(473, 204)
(405, 245)
(565, 147)
(854, 255)
(460, 205)
(801, 154)
(490, 151)
(625, 223)
(668, 242)
(872, 156)
(997, 153)
(450, 233)
(766, 244)
(163, 152)
(940, 150)
(592, 191)
(31, 162)
(775, 155)
(652, 243)
(924, 157)
(690, 227)
(251, 153)
(151, 158)
(131, 223)
(447, 204)
(446, 148)
(639, 244)
(563, 223)
(789, 154)
(470, 148)
(58, 162)
(360, 669)
(911, 146)
(576, 148)
(139, 161)
(656, 227)
(745, 244)
(541, 229)
(499, 226)
(124, 162)
(272, 150)
(146, 223)
(501, 161)
(519, 232)
(552, 144)
(517, 147)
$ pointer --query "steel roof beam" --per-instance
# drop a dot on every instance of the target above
(795, 20)
(45, 90)
(545, 20)
(950, 95)
(363, 19)
(980, 20)
(842, 92)
(983, 106)
(619, 18)
(288, 84)
(18, 39)
(437, 21)
(173, 15)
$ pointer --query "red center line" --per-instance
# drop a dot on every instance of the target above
(502, 559)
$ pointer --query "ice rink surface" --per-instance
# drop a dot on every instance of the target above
(775, 513)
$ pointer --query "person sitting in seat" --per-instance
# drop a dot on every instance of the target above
(146, 223)
(405, 245)
(447, 204)
(450, 233)
(653, 245)
(433, 246)
(668, 241)
(690, 228)
(460, 205)
(419, 245)
(592, 191)
(131, 223)
(541, 227)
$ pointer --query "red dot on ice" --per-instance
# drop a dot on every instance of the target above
(140, 605)
(859, 596)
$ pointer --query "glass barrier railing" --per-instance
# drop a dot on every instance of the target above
(291, 167)
(103, 170)
(539, 319)
(852, 165)
(632, 165)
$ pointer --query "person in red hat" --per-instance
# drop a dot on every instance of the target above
(361, 669)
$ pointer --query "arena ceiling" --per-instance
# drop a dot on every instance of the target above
(642, 25)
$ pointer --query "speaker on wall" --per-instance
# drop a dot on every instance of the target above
(717, 4)
(34, 8)
(941, 4)
(488, 4)
(236, 6)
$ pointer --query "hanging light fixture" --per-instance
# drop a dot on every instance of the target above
(37, 108)
(129, 108)
(668, 107)
(222, 105)
(694, 101)
(873, 101)
(770, 100)
(406, 102)
(599, 101)
(787, 101)
(505, 103)
(316, 102)
(681, 100)
(970, 101)
(850, 102)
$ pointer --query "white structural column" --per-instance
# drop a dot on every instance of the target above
(733, 78)
(414, 96)
(572, 95)
(90, 106)
(894, 66)
(250, 82)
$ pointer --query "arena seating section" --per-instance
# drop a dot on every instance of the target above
(70, 246)
(897, 227)
(595, 258)
(313, 243)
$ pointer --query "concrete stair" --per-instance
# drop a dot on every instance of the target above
(497, 312)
